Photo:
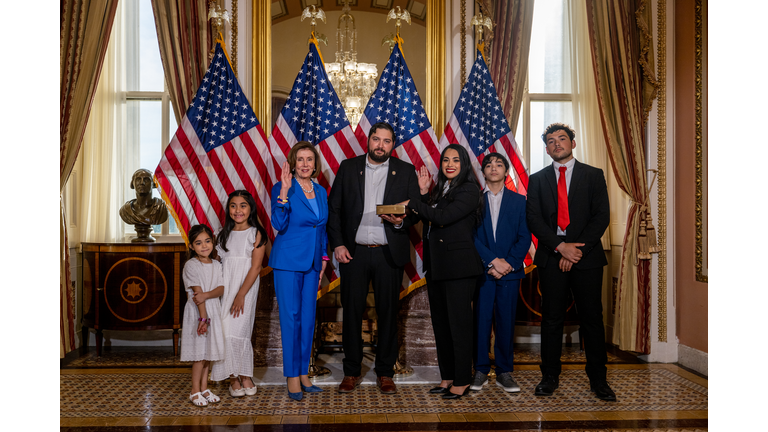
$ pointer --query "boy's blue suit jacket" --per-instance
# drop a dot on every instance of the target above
(512, 236)
(301, 240)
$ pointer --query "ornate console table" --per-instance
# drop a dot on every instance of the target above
(129, 286)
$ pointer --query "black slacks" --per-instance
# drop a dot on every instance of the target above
(586, 286)
(376, 265)
(450, 304)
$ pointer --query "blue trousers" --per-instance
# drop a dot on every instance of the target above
(498, 299)
(297, 301)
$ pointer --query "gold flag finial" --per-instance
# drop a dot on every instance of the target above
(479, 21)
(218, 17)
(315, 13)
(393, 39)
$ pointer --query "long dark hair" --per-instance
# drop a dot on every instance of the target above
(466, 174)
(253, 219)
(194, 232)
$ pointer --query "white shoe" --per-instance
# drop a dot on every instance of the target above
(236, 393)
(210, 397)
(250, 391)
(198, 399)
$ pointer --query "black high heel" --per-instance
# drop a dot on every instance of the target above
(440, 390)
(450, 395)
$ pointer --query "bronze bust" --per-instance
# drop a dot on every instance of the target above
(144, 211)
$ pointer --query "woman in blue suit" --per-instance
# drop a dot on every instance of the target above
(298, 260)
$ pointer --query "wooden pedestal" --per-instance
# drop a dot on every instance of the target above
(129, 286)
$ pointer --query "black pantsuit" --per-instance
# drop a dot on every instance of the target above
(453, 267)
(375, 265)
(450, 304)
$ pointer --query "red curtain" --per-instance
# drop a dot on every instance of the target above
(509, 53)
(622, 55)
(185, 39)
(85, 29)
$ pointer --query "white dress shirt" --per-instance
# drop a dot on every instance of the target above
(568, 174)
(371, 229)
(494, 204)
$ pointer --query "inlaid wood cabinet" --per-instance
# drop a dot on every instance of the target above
(129, 286)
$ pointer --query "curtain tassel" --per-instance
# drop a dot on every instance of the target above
(642, 238)
(650, 233)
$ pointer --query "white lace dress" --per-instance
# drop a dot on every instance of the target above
(209, 346)
(238, 357)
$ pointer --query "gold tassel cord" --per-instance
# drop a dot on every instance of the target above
(646, 237)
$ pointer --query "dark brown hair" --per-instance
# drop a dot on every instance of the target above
(194, 232)
(556, 127)
(253, 219)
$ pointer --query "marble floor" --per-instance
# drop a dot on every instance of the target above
(123, 391)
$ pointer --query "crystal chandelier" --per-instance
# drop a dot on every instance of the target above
(354, 82)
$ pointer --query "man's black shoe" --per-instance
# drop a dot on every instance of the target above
(603, 391)
(547, 386)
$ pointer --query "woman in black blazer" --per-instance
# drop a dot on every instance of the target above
(450, 214)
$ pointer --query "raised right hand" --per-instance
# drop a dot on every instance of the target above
(342, 255)
(425, 179)
(285, 179)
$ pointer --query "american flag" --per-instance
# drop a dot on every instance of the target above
(397, 102)
(478, 124)
(219, 147)
(313, 113)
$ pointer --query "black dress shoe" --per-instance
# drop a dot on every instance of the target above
(547, 385)
(439, 390)
(449, 395)
(603, 391)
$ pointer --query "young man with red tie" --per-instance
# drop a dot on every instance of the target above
(568, 212)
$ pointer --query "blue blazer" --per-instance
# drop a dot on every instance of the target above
(301, 240)
(512, 236)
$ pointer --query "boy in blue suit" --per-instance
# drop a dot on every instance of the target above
(502, 240)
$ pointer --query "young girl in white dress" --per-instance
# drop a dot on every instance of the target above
(241, 246)
(202, 339)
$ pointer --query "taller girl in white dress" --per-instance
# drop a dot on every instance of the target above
(241, 246)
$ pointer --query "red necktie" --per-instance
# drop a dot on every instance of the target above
(563, 218)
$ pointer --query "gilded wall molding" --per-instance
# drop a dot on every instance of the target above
(662, 165)
(262, 63)
(434, 102)
(700, 276)
(233, 34)
(463, 33)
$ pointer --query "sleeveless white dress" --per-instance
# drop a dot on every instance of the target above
(238, 357)
(209, 346)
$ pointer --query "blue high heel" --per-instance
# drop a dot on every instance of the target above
(311, 389)
(295, 396)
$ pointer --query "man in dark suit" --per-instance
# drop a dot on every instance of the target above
(502, 240)
(370, 248)
(568, 212)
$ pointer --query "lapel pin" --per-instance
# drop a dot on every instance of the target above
(393, 173)
(361, 173)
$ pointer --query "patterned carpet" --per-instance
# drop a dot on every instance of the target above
(164, 394)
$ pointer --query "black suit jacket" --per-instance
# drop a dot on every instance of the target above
(588, 209)
(346, 201)
(449, 252)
